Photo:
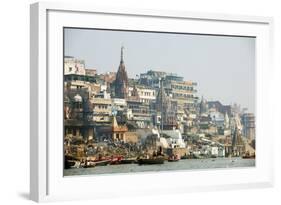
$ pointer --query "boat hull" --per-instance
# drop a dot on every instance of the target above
(72, 164)
(173, 160)
(128, 161)
(102, 162)
(151, 161)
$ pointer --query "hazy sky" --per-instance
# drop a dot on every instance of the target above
(223, 66)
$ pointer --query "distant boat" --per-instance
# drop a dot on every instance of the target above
(72, 164)
(174, 158)
(89, 164)
(102, 162)
(186, 157)
(128, 160)
(247, 156)
(116, 160)
(157, 160)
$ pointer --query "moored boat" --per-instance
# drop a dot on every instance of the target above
(102, 162)
(149, 161)
(248, 157)
(89, 164)
(72, 164)
(174, 158)
(186, 156)
(130, 160)
(116, 160)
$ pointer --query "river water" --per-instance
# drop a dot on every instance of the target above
(188, 164)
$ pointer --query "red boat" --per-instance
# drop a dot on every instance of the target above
(116, 160)
(102, 161)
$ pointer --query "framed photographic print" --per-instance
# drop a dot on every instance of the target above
(147, 101)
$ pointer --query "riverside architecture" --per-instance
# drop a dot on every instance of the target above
(109, 114)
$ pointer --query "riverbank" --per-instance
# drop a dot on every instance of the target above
(188, 164)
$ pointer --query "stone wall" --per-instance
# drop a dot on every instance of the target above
(131, 137)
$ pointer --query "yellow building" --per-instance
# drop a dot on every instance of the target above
(183, 93)
(101, 109)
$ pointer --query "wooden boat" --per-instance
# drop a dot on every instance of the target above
(102, 162)
(157, 160)
(186, 157)
(72, 164)
(174, 158)
(115, 160)
(128, 160)
(89, 164)
(248, 157)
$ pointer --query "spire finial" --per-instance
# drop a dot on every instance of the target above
(122, 48)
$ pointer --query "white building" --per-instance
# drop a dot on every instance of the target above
(74, 66)
(146, 95)
(175, 139)
(103, 93)
(102, 109)
(217, 118)
(91, 72)
(119, 104)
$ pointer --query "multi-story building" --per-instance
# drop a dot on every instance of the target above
(141, 114)
(91, 72)
(78, 121)
(173, 77)
(217, 118)
(75, 74)
(74, 66)
(146, 94)
(108, 77)
(74, 81)
(220, 107)
(119, 104)
(102, 109)
(152, 78)
(183, 93)
(138, 112)
(248, 122)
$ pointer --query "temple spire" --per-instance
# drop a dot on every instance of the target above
(121, 82)
(122, 60)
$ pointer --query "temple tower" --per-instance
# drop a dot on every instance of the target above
(121, 83)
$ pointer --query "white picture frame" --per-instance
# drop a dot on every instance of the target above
(46, 174)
